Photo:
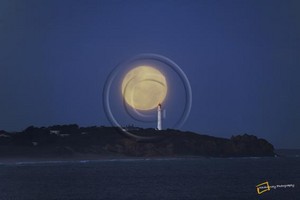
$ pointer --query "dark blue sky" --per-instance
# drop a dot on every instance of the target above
(242, 59)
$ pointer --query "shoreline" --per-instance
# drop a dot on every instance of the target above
(96, 158)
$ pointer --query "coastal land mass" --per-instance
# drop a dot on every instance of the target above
(74, 142)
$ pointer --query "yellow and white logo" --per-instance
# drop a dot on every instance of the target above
(263, 187)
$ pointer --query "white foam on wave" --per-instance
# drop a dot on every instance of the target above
(43, 162)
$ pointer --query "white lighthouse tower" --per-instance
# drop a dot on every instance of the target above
(159, 118)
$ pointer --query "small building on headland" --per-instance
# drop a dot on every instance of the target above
(55, 132)
(131, 127)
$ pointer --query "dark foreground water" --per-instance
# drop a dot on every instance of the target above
(193, 178)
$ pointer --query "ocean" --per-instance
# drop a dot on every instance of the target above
(142, 179)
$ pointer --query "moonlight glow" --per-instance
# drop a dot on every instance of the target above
(144, 87)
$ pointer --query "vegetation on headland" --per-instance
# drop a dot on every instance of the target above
(68, 140)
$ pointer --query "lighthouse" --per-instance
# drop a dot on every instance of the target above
(159, 118)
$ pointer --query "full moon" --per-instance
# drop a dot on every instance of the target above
(144, 87)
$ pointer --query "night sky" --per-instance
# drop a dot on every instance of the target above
(242, 59)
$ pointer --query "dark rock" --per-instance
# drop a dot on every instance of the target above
(67, 140)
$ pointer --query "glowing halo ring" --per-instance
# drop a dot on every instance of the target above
(150, 56)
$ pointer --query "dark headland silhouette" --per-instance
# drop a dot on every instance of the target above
(72, 140)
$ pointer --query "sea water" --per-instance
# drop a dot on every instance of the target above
(168, 178)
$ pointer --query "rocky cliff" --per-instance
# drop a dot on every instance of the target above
(69, 140)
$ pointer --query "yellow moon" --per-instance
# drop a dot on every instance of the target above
(144, 87)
